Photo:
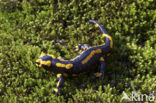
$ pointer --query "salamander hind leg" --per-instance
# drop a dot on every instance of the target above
(102, 66)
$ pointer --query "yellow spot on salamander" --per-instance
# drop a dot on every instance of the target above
(80, 51)
(111, 43)
(47, 63)
(56, 90)
(53, 56)
(58, 84)
(91, 55)
(67, 66)
(75, 58)
(77, 48)
(98, 51)
(103, 35)
(61, 59)
(60, 65)
(58, 75)
(102, 59)
(84, 48)
(97, 74)
(38, 60)
(96, 25)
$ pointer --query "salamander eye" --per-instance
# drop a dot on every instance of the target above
(37, 63)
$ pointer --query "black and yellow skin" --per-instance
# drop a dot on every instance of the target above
(86, 61)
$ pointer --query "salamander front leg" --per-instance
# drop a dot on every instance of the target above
(82, 47)
(59, 84)
(102, 66)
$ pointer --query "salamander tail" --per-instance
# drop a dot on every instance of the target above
(109, 41)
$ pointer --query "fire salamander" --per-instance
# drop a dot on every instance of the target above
(86, 61)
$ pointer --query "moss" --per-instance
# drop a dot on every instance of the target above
(31, 27)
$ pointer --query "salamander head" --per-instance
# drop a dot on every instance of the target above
(44, 60)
